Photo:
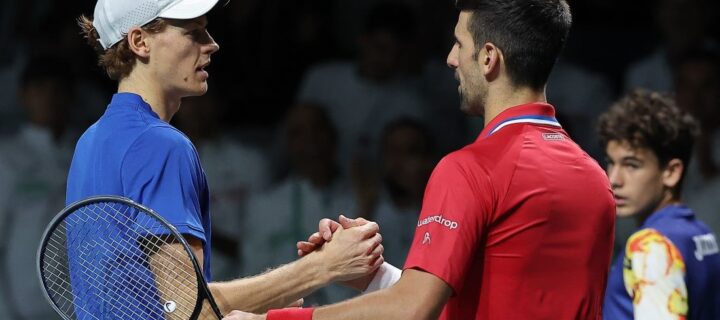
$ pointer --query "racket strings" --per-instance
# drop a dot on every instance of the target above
(127, 286)
(95, 244)
(67, 294)
(164, 246)
(83, 263)
(110, 247)
(167, 246)
(116, 301)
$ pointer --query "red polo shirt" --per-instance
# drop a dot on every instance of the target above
(519, 223)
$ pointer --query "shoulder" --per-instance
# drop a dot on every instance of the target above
(681, 227)
(498, 154)
(643, 237)
(650, 255)
(462, 169)
(466, 160)
(164, 137)
(650, 242)
(691, 236)
(161, 144)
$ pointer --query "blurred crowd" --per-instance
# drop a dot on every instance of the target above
(324, 107)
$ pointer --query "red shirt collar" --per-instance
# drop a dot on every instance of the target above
(538, 110)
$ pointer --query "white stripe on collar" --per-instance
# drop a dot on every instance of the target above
(544, 120)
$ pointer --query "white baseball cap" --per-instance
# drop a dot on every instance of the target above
(114, 18)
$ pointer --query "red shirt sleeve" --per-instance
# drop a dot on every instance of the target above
(451, 221)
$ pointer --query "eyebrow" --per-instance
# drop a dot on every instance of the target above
(630, 158)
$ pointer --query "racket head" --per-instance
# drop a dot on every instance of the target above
(108, 257)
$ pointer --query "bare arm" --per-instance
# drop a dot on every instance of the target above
(351, 254)
(418, 295)
(274, 289)
(176, 285)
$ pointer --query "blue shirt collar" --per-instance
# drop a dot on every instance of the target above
(669, 211)
(127, 98)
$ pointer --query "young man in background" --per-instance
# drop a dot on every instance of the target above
(670, 267)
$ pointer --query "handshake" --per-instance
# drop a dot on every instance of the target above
(348, 250)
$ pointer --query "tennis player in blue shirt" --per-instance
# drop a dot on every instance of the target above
(670, 266)
(158, 50)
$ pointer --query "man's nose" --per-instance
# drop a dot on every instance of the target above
(615, 177)
(452, 58)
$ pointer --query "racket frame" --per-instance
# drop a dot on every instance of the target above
(203, 291)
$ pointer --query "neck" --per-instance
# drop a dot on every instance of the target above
(668, 199)
(163, 103)
(501, 100)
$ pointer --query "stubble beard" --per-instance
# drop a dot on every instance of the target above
(472, 103)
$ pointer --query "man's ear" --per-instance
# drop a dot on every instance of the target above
(138, 42)
(490, 59)
(673, 173)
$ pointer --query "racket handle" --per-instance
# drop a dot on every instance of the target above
(290, 314)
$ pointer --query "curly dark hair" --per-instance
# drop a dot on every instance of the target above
(651, 120)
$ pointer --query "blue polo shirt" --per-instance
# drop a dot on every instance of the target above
(670, 268)
(131, 152)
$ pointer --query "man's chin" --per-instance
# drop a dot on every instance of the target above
(197, 91)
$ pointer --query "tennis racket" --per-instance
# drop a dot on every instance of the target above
(108, 257)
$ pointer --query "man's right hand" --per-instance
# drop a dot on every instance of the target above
(326, 228)
(352, 253)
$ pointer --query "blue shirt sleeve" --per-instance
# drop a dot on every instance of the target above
(161, 170)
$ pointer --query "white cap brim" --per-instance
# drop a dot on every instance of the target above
(188, 9)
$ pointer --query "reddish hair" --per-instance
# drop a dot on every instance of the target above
(118, 60)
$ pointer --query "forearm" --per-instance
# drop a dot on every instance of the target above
(415, 296)
(274, 289)
(385, 304)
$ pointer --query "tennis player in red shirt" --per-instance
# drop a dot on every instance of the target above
(518, 224)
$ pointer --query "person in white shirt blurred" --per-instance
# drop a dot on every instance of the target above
(233, 168)
(697, 79)
(313, 189)
(407, 159)
(34, 167)
(363, 95)
(683, 25)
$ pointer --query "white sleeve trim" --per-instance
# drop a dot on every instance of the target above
(386, 276)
